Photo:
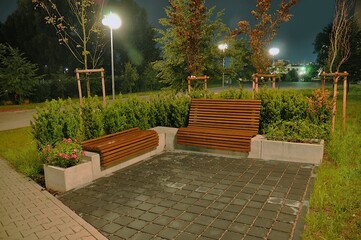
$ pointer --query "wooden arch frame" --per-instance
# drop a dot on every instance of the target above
(336, 77)
(255, 81)
(195, 78)
(78, 71)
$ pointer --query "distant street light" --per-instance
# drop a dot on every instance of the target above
(113, 22)
(223, 47)
(273, 52)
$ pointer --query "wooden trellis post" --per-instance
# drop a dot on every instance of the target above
(255, 78)
(194, 78)
(78, 71)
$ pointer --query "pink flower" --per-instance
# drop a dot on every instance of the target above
(83, 153)
(75, 140)
(75, 150)
(66, 156)
(74, 156)
(69, 140)
(64, 139)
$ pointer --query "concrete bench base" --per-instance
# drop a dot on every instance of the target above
(264, 149)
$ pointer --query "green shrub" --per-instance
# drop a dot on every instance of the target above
(47, 127)
(92, 118)
(136, 112)
(114, 116)
(296, 131)
(201, 93)
(179, 111)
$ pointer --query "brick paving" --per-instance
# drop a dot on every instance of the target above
(29, 212)
(196, 196)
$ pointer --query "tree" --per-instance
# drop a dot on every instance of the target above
(78, 27)
(24, 29)
(130, 77)
(321, 45)
(239, 59)
(292, 76)
(188, 41)
(339, 50)
(17, 75)
(265, 29)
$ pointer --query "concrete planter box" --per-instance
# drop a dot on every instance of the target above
(64, 179)
(286, 151)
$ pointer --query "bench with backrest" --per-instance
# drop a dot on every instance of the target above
(118, 147)
(221, 124)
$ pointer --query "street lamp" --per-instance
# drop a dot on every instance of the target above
(113, 22)
(223, 47)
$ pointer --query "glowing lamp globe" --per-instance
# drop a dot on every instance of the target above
(112, 21)
(274, 51)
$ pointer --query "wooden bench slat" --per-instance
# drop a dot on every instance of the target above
(118, 147)
(225, 124)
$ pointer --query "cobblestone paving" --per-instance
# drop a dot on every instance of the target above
(194, 196)
(29, 212)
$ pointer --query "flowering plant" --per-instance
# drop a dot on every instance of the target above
(66, 153)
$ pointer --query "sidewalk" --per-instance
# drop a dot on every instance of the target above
(28, 212)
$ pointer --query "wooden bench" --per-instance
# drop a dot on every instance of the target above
(221, 124)
(117, 147)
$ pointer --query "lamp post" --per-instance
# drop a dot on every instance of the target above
(223, 47)
(113, 22)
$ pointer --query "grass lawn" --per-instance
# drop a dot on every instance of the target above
(18, 147)
(335, 207)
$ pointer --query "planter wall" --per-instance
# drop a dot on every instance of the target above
(262, 148)
(64, 179)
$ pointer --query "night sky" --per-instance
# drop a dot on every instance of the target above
(295, 38)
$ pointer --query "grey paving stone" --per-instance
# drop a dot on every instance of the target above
(211, 212)
(152, 228)
(228, 215)
(263, 222)
(125, 232)
(268, 214)
(238, 227)
(251, 211)
(137, 224)
(158, 209)
(214, 233)
(232, 236)
(258, 232)
(148, 217)
(178, 224)
(168, 233)
(186, 236)
(173, 213)
(163, 220)
(221, 223)
(283, 227)
(203, 220)
(124, 220)
(195, 228)
(135, 213)
(195, 209)
(141, 236)
(111, 227)
(242, 218)
(276, 235)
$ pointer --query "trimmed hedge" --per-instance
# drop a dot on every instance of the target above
(285, 115)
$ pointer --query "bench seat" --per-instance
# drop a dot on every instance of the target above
(221, 124)
(117, 147)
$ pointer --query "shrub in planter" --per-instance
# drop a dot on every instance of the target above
(92, 118)
(297, 131)
(66, 153)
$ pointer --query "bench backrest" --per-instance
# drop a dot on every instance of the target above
(232, 114)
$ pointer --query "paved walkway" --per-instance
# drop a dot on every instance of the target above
(28, 212)
(195, 196)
